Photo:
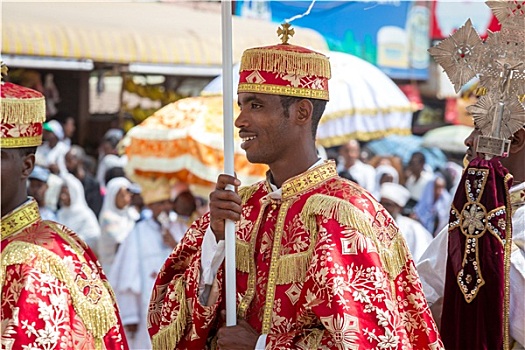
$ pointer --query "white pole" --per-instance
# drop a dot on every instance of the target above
(227, 89)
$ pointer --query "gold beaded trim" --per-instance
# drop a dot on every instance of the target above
(306, 181)
(20, 218)
(283, 90)
(18, 142)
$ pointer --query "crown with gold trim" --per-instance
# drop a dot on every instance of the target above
(285, 69)
(23, 111)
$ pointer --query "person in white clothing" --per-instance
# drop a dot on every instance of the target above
(75, 213)
(432, 264)
(116, 220)
(51, 154)
(184, 210)
(138, 260)
(363, 174)
(417, 176)
(394, 197)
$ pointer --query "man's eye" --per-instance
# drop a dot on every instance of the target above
(256, 106)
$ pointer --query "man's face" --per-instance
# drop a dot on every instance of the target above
(37, 189)
(123, 198)
(15, 169)
(69, 127)
(266, 133)
(64, 197)
(440, 185)
(472, 143)
(350, 152)
(416, 164)
(50, 137)
(11, 169)
(159, 207)
(184, 204)
(71, 162)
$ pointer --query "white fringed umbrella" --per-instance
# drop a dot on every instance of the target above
(365, 104)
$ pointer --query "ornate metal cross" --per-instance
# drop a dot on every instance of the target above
(499, 62)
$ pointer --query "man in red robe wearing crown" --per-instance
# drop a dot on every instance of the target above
(320, 264)
(54, 294)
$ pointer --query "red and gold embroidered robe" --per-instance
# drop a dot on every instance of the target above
(54, 293)
(324, 267)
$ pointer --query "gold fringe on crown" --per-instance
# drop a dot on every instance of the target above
(168, 337)
(286, 62)
(23, 111)
(98, 317)
(393, 254)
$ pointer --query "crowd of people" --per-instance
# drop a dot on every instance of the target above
(328, 251)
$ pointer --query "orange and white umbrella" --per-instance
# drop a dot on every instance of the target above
(183, 141)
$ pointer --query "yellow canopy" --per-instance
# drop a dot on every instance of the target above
(124, 32)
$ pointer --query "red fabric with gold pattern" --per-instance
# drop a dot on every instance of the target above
(325, 268)
(23, 111)
(24, 131)
(10, 91)
(475, 303)
(54, 294)
(285, 70)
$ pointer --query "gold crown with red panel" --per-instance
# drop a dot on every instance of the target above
(285, 69)
(23, 111)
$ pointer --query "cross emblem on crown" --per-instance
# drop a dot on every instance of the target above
(285, 32)
(499, 62)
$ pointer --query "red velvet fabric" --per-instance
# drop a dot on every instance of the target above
(479, 224)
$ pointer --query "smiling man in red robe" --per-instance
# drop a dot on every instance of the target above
(320, 263)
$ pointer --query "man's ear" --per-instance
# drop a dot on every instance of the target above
(304, 109)
(517, 143)
(28, 164)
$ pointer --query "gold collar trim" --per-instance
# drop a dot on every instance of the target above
(20, 218)
(309, 179)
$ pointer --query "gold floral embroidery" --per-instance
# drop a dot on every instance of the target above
(98, 317)
(472, 219)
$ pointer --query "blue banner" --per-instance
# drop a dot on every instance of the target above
(393, 35)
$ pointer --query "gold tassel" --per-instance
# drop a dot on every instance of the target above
(340, 210)
(243, 256)
(98, 317)
(393, 254)
(313, 339)
(286, 62)
(247, 191)
(292, 268)
(23, 111)
(168, 337)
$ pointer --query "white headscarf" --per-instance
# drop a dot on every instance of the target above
(115, 223)
(386, 169)
(78, 216)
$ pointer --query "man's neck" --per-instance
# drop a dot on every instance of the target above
(280, 174)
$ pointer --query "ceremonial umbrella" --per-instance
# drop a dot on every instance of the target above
(450, 138)
(365, 104)
(183, 142)
(404, 146)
